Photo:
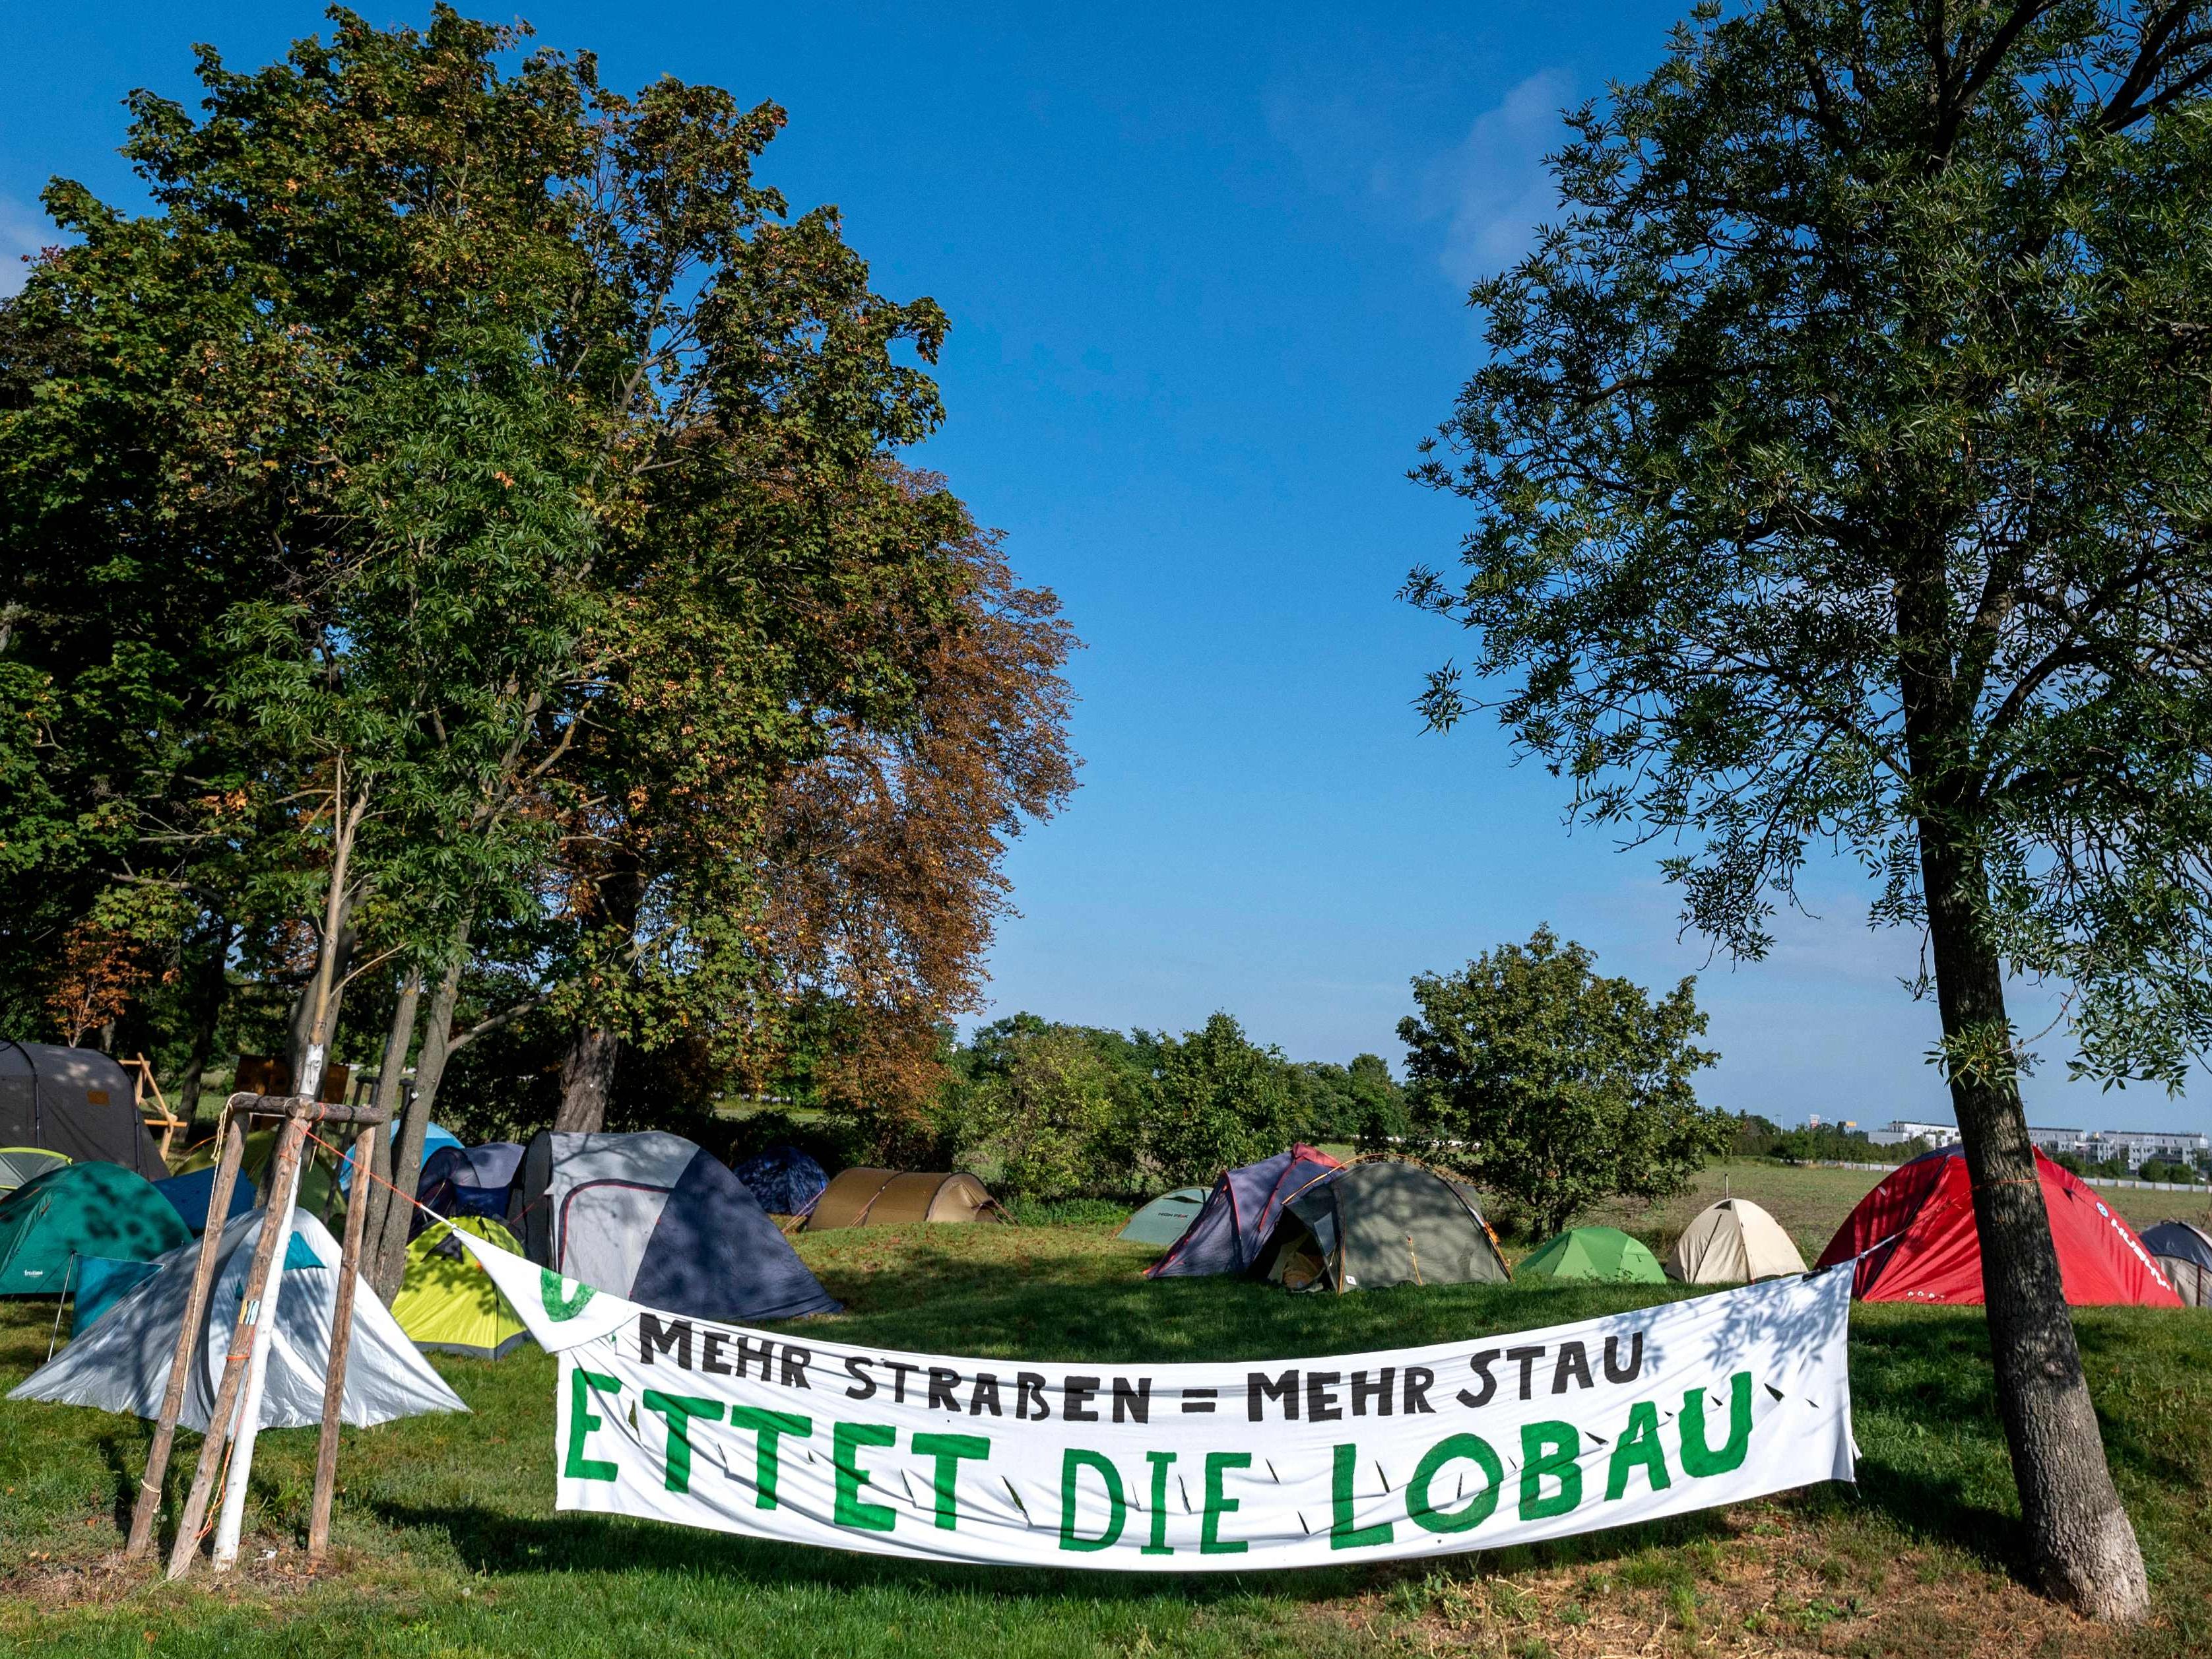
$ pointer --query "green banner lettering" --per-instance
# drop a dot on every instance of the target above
(768, 1428)
(1423, 1508)
(1698, 1457)
(1549, 1450)
(844, 1445)
(583, 1420)
(948, 1450)
(1342, 1534)
(1117, 1504)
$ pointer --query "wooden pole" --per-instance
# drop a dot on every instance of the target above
(283, 1179)
(148, 1509)
(327, 1448)
(285, 1208)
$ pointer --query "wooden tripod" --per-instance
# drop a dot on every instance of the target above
(238, 1391)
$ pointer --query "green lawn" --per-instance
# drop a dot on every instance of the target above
(449, 1545)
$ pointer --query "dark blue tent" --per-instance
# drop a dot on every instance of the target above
(189, 1195)
(652, 1218)
(785, 1180)
(467, 1181)
(1242, 1211)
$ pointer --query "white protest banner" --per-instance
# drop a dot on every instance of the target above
(1497, 1440)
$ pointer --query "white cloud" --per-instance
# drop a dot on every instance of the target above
(1494, 189)
(23, 230)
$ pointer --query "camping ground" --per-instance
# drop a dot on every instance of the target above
(447, 1543)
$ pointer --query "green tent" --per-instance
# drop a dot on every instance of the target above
(448, 1303)
(1605, 1254)
(1166, 1219)
(1370, 1226)
(81, 1210)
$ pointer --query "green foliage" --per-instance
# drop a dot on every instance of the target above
(1052, 1110)
(1220, 1100)
(1829, 1145)
(1360, 1103)
(2161, 1170)
(467, 444)
(1539, 1080)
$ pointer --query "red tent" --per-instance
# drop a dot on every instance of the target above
(1922, 1219)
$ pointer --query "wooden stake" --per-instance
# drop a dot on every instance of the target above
(148, 1509)
(327, 1448)
(284, 1178)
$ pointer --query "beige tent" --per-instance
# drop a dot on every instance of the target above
(1733, 1242)
(885, 1198)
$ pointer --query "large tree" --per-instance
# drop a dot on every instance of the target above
(457, 546)
(1532, 1073)
(1840, 472)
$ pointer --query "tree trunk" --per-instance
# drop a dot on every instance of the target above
(391, 1096)
(210, 989)
(2079, 1543)
(587, 1073)
(587, 1077)
(389, 1259)
(301, 1035)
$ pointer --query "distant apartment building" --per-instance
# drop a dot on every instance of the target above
(1901, 1131)
(2136, 1148)
(2055, 1141)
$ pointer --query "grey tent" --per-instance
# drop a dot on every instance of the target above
(2184, 1255)
(1369, 1225)
(76, 1101)
(121, 1362)
(1166, 1219)
(20, 1165)
(652, 1218)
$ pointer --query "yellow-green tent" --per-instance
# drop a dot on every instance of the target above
(447, 1302)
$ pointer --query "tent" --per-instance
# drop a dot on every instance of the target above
(434, 1139)
(448, 1303)
(1240, 1212)
(785, 1180)
(76, 1101)
(1602, 1254)
(1166, 1219)
(98, 1283)
(866, 1197)
(1915, 1240)
(191, 1194)
(19, 1163)
(2184, 1255)
(467, 1181)
(1733, 1242)
(1372, 1225)
(122, 1363)
(652, 1218)
(80, 1209)
(318, 1187)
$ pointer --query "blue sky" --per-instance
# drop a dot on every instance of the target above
(1206, 267)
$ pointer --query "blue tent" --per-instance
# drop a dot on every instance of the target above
(785, 1180)
(432, 1138)
(467, 1181)
(652, 1218)
(191, 1192)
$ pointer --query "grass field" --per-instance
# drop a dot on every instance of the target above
(448, 1544)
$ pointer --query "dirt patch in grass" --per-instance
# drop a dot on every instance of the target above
(1762, 1580)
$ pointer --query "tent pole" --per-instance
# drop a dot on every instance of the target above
(148, 1507)
(327, 1447)
(233, 1513)
(282, 1174)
